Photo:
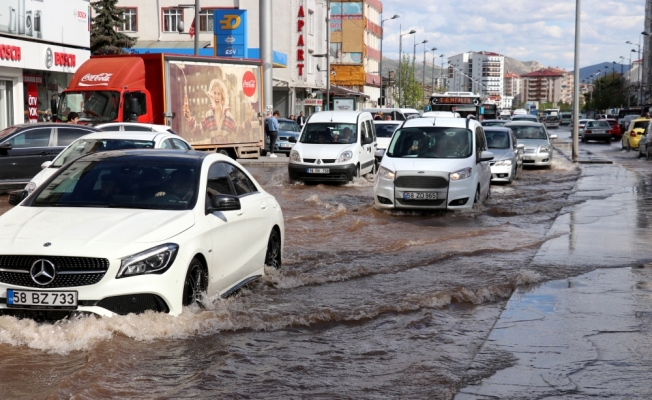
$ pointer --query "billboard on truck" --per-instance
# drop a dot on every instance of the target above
(215, 104)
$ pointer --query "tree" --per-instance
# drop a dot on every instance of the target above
(609, 91)
(411, 92)
(105, 38)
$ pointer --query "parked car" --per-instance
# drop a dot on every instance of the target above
(434, 163)
(133, 127)
(566, 118)
(524, 117)
(626, 120)
(615, 128)
(633, 134)
(494, 122)
(23, 148)
(335, 146)
(580, 126)
(396, 114)
(130, 231)
(507, 164)
(384, 132)
(98, 142)
(645, 143)
(440, 114)
(288, 134)
(537, 141)
(552, 121)
(581, 117)
(596, 130)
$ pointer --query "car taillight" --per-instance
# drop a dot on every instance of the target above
(588, 131)
(632, 134)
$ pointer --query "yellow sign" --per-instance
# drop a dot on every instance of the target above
(230, 22)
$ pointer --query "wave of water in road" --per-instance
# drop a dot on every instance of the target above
(367, 304)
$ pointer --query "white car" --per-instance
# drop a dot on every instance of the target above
(538, 143)
(384, 131)
(335, 146)
(133, 127)
(435, 163)
(104, 141)
(440, 114)
(507, 164)
(129, 231)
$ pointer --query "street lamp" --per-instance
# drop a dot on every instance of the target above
(434, 56)
(423, 76)
(180, 23)
(644, 33)
(400, 61)
(639, 57)
(380, 68)
(414, 50)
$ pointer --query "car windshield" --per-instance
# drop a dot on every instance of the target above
(123, 182)
(494, 123)
(529, 132)
(82, 146)
(497, 139)
(598, 124)
(96, 105)
(385, 130)
(288, 126)
(329, 133)
(431, 142)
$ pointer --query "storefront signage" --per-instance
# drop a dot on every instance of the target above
(300, 43)
(11, 53)
(312, 102)
(33, 79)
(32, 102)
(64, 59)
(230, 32)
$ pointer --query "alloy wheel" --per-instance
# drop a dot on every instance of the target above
(273, 256)
(195, 283)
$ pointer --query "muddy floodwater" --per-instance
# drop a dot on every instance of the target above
(368, 304)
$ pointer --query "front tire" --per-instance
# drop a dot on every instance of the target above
(356, 173)
(195, 284)
(273, 255)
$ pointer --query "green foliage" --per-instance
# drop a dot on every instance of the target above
(410, 93)
(105, 39)
(610, 91)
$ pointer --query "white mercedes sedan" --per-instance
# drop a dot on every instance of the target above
(129, 231)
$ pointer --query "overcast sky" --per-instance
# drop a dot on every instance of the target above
(532, 30)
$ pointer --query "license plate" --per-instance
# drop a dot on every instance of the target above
(598, 132)
(286, 145)
(527, 158)
(419, 195)
(318, 170)
(41, 299)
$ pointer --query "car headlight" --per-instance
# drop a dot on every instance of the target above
(544, 149)
(384, 173)
(153, 261)
(345, 156)
(30, 187)
(503, 163)
(461, 174)
(294, 156)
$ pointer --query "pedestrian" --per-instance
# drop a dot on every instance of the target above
(272, 131)
(73, 118)
(301, 120)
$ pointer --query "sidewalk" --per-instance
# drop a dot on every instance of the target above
(586, 336)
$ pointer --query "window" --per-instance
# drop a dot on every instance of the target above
(218, 180)
(142, 104)
(167, 144)
(180, 144)
(136, 128)
(130, 20)
(241, 182)
(31, 138)
(206, 21)
(112, 128)
(171, 16)
(363, 131)
(311, 23)
(65, 136)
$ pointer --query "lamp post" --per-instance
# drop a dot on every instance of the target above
(441, 72)
(400, 61)
(434, 56)
(380, 68)
(423, 76)
(638, 74)
(576, 83)
(328, 56)
(414, 50)
(644, 33)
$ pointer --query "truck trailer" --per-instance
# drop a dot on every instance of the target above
(213, 103)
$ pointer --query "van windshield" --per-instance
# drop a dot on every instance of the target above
(96, 105)
(431, 142)
(329, 133)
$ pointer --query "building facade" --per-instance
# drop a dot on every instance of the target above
(299, 39)
(543, 85)
(478, 72)
(513, 90)
(37, 60)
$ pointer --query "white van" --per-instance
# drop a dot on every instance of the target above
(397, 114)
(434, 163)
(334, 146)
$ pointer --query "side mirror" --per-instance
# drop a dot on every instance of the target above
(379, 153)
(46, 164)
(223, 202)
(6, 145)
(486, 156)
(292, 139)
(133, 109)
(368, 140)
(16, 196)
(53, 106)
(520, 146)
(553, 137)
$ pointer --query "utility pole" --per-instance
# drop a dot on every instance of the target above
(266, 50)
(576, 83)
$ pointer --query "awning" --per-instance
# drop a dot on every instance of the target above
(342, 91)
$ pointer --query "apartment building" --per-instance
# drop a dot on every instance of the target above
(513, 89)
(543, 85)
(478, 72)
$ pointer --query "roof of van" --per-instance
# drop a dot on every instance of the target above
(388, 110)
(442, 122)
(338, 116)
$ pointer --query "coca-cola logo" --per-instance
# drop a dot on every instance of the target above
(249, 84)
(101, 79)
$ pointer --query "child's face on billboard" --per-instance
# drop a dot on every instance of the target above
(216, 96)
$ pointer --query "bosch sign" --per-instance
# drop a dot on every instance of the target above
(64, 60)
(11, 53)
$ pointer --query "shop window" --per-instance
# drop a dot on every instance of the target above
(171, 16)
(206, 21)
(129, 20)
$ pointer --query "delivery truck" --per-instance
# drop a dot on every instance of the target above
(213, 103)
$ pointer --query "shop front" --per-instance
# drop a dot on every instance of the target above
(31, 74)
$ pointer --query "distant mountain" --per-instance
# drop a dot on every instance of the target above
(392, 65)
(586, 72)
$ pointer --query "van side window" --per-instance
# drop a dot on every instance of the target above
(363, 131)
(371, 130)
(480, 143)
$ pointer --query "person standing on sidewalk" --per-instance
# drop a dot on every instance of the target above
(301, 119)
(272, 131)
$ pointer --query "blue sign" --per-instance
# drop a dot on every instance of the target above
(230, 29)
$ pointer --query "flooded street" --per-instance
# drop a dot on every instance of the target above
(368, 304)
